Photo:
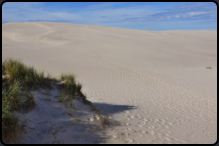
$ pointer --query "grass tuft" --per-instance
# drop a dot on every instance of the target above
(69, 90)
(77, 119)
(18, 71)
(103, 121)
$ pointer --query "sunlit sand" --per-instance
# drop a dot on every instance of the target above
(156, 84)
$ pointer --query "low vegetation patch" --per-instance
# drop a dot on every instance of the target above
(31, 79)
(208, 67)
(18, 82)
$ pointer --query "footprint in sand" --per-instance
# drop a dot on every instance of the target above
(129, 129)
(158, 134)
(142, 131)
(142, 123)
(170, 123)
(129, 140)
(139, 116)
(127, 124)
(150, 132)
(145, 120)
(132, 117)
(152, 127)
(162, 123)
(156, 120)
(167, 139)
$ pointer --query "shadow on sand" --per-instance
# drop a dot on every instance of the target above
(53, 124)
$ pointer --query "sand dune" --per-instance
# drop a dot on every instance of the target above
(154, 82)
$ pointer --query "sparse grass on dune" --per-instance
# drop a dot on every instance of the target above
(18, 80)
(70, 84)
(70, 91)
(14, 69)
(69, 88)
(9, 120)
(14, 100)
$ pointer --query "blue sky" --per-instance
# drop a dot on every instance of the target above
(155, 16)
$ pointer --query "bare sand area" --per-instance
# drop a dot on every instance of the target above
(155, 83)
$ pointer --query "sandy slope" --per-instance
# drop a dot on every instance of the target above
(154, 82)
(55, 122)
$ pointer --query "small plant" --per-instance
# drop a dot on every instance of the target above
(63, 97)
(71, 104)
(77, 119)
(103, 121)
(208, 67)
(28, 103)
(69, 90)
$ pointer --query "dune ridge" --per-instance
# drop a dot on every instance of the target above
(154, 82)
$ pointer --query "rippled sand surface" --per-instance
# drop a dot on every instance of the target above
(155, 83)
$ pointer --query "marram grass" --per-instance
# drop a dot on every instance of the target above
(18, 80)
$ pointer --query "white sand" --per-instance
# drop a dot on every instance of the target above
(155, 83)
